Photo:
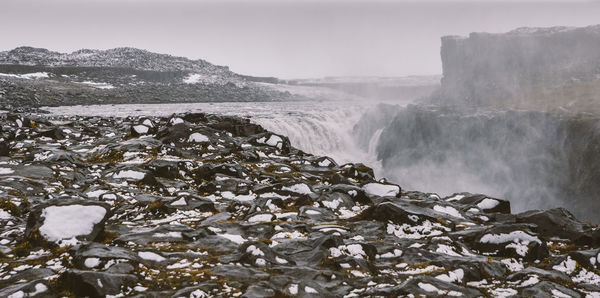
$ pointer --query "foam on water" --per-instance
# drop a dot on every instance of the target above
(321, 128)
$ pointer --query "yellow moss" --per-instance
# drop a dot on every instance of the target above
(559, 247)
(111, 157)
(7, 205)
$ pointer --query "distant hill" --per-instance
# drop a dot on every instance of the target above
(37, 77)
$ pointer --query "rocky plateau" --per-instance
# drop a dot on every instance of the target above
(197, 205)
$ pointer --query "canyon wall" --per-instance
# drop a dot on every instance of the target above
(534, 68)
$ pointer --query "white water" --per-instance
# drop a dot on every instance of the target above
(320, 128)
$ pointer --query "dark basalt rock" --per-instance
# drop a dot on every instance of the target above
(95, 284)
(164, 168)
(36, 288)
(503, 206)
(54, 133)
(4, 148)
(547, 288)
(558, 223)
(37, 219)
(245, 214)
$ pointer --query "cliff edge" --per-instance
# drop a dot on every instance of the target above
(554, 68)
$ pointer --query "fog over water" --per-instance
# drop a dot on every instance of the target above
(287, 39)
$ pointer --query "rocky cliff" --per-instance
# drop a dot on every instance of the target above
(534, 159)
(538, 68)
(198, 205)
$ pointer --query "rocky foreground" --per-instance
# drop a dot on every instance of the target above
(199, 205)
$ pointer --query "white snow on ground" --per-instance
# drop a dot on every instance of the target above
(255, 251)
(197, 138)
(324, 163)
(180, 202)
(447, 210)
(141, 129)
(199, 294)
(289, 235)
(168, 235)
(91, 262)
(512, 264)
(129, 174)
(532, 280)
(431, 288)
(452, 276)
(241, 198)
(28, 76)
(193, 78)
(148, 123)
(353, 250)
(148, 255)
(300, 188)
(234, 238)
(426, 229)
(395, 253)
(95, 193)
(63, 222)
(515, 236)
(559, 294)
(98, 85)
(520, 248)
(310, 290)
(273, 141)
(488, 204)
(381, 190)
(174, 121)
(293, 289)
(446, 249)
(4, 215)
(6, 171)
(39, 288)
(428, 287)
(567, 266)
(260, 218)
(455, 198)
(503, 292)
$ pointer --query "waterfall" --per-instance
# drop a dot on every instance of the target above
(534, 159)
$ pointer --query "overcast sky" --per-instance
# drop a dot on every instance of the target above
(287, 39)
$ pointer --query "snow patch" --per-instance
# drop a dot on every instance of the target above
(141, 129)
(234, 238)
(62, 222)
(382, 190)
(447, 210)
(193, 78)
(148, 255)
(28, 76)
(488, 204)
(6, 171)
(91, 262)
(197, 138)
(260, 218)
(300, 188)
(98, 85)
(129, 174)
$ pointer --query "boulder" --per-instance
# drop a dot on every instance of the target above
(95, 284)
(558, 222)
(63, 219)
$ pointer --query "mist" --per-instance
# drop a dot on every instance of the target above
(286, 39)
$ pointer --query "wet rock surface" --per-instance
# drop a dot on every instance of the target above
(200, 205)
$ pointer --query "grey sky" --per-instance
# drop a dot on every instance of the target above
(288, 39)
